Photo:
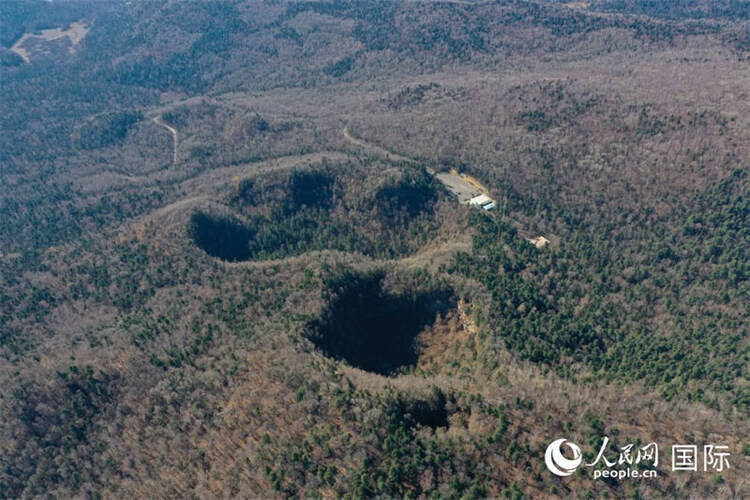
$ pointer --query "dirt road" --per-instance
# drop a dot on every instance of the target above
(375, 149)
(157, 120)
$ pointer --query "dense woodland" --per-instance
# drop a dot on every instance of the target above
(227, 269)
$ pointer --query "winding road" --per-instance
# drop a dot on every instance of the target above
(375, 149)
(157, 120)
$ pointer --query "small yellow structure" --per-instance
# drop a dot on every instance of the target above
(539, 241)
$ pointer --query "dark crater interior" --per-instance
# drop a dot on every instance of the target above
(373, 328)
(432, 411)
(317, 210)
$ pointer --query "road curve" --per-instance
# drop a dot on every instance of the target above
(157, 120)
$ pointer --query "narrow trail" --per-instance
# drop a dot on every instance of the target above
(375, 149)
(19, 50)
(157, 120)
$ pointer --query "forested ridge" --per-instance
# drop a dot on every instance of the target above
(296, 305)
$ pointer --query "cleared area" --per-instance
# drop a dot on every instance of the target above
(32, 43)
(466, 188)
(457, 185)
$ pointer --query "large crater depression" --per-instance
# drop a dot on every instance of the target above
(375, 328)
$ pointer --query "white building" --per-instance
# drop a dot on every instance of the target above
(483, 201)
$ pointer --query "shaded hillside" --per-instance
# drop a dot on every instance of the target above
(348, 208)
